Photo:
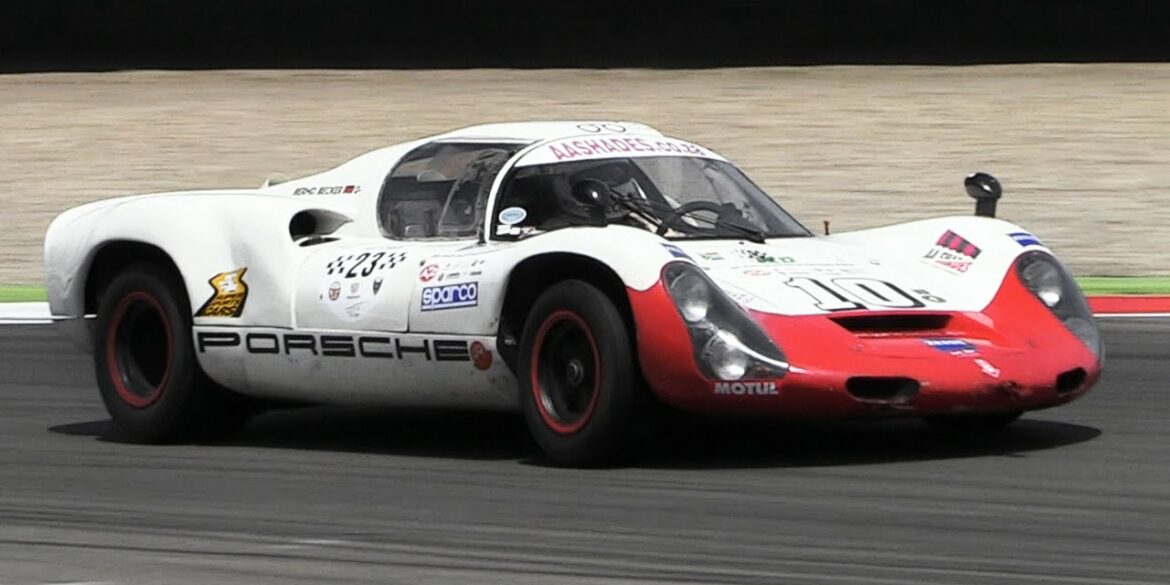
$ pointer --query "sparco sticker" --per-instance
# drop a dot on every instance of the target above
(450, 296)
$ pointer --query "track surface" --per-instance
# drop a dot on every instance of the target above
(1079, 494)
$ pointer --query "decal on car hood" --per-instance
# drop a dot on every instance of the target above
(803, 276)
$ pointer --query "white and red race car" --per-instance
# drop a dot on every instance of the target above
(573, 270)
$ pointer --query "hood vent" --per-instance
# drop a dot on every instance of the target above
(886, 323)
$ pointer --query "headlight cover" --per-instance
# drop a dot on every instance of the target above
(1048, 280)
(727, 343)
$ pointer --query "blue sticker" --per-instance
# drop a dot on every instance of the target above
(513, 215)
(450, 296)
(1025, 239)
(676, 251)
(952, 346)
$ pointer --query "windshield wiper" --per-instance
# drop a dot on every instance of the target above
(750, 233)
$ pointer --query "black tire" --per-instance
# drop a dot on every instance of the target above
(972, 423)
(579, 385)
(145, 363)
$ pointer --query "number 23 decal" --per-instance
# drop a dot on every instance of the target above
(851, 294)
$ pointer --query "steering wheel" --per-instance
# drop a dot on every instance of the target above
(674, 220)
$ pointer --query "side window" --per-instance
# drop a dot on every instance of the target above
(440, 189)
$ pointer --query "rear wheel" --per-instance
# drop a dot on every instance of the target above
(580, 389)
(972, 422)
(145, 363)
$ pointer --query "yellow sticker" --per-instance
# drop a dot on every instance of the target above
(230, 293)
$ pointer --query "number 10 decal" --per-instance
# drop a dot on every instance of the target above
(851, 294)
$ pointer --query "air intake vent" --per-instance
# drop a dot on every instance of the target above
(881, 388)
(886, 323)
(1070, 380)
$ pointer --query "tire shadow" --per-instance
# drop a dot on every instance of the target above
(682, 441)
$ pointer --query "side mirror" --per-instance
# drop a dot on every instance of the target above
(594, 195)
(985, 190)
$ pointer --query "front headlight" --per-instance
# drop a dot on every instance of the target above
(1043, 279)
(1048, 280)
(727, 343)
(692, 295)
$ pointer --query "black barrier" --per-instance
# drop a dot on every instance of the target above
(39, 35)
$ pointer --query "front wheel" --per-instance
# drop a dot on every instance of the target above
(580, 389)
(145, 363)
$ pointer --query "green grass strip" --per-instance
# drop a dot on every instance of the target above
(1125, 285)
(1093, 285)
(17, 293)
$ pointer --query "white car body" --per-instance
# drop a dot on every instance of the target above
(322, 322)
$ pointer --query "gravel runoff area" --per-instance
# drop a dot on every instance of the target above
(1081, 149)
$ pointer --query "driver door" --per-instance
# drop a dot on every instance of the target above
(432, 203)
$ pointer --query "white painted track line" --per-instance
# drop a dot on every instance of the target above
(25, 314)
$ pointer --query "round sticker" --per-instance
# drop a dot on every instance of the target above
(513, 215)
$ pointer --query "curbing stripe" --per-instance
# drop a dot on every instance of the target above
(1129, 304)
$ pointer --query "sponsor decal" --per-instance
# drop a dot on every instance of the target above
(711, 256)
(330, 190)
(1025, 239)
(330, 345)
(987, 368)
(334, 291)
(757, 272)
(676, 251)
(953, 252)
(377, 284)
(363, 264)
(429, 272)
(746, 388)
(481, 356)
(450, 296)
(763, 257)
(955, 347)
(605, 146)
(353, 288)
(512, 215)
(515, 230)
(231, 292)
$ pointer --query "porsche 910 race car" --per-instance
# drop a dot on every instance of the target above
(575, 271)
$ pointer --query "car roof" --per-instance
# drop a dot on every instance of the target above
(537, 131)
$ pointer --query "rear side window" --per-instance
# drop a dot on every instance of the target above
(440, 189)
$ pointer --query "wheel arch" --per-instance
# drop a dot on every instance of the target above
(113, 257)
(535, 274)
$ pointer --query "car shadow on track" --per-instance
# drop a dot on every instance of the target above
(729, 444)
(682, 441)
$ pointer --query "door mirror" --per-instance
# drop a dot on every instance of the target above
(985, 190)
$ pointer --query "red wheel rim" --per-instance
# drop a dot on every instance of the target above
(130, 355)
(566, 372)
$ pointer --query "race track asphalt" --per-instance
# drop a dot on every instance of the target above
(1079, 494)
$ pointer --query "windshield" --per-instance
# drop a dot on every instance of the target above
(680, 197)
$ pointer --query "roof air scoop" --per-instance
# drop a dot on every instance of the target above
(274, 179)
